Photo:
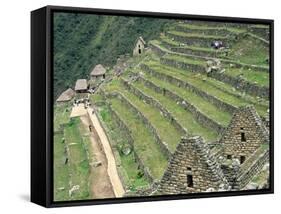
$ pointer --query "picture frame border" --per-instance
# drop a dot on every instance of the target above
(42, 105)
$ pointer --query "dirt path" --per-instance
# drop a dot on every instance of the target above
(100, 183)
(111, 164)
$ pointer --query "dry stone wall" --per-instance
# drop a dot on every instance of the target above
(200, 117)
(245, 133)
(163, 146)
(176, 81)
(252, 167)
(192, 169)
(242, 85)
(158, 105)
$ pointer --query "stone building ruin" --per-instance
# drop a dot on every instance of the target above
(229, 164)
(139, 46)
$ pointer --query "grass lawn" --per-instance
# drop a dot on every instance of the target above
(185, 118)
(117, 138)
(78, 163)
(144, 143)
(61, 171)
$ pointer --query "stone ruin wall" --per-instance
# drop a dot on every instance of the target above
(200, 117)
(236, 82)
(127, 132)
(245, 174)
(156, 104)
(206, 172)
(174, 80)
(250, 123)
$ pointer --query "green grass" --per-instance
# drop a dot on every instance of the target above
(78, 162)
(96, 98)
(200, 81)
(261, 78)
(204, 106)
(61, 115)
(61, 171)
(184, 59)
(144, 143)
(206, 27)
(250, 51)
(128, 163)
(196, 35)
(161, 124)
(185, 118)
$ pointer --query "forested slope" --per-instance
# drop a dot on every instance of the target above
(81, 41)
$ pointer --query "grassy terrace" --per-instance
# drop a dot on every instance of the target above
(184, 59)
(61, 115)
(144, 143)
(78, 162)
(204, 27)
(185, 118)
(204, 106)
(194, 35)
(61, 173)
(117, 137)
(250, 51)
(198, 81)
(261, 78)
(171, 137)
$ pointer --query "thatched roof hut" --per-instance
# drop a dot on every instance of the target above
(67, 95)
(99, 70)
(81, 85)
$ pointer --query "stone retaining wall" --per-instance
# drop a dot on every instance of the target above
(163, 146)
(197, 41)
(157, 49)
(189, 51)
(183, 65)
(255, 166)
(158, 105)
(199, 116)
(241, 84)
(215, 31)
(176, 81)
(126, 129)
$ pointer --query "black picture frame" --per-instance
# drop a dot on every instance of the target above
(42, 105)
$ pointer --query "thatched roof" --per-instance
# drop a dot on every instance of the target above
(81, 84)
(66, 95)
(98, 70)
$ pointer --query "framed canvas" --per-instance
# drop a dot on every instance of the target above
(134, 106)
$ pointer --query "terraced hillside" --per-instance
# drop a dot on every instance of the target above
(179, 87)
(167, 93)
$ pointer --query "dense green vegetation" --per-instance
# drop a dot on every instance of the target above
(82, 41)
